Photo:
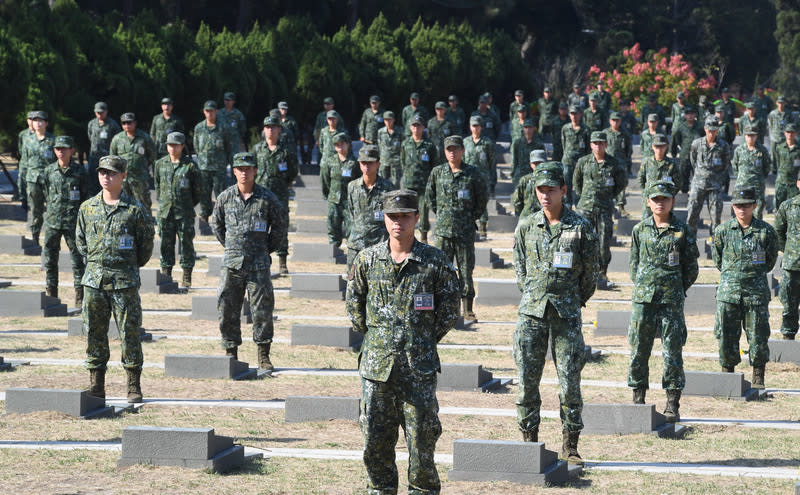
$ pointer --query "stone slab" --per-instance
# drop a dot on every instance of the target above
(498, 460)
(342, 337)
(620, 261)
(312, 208)
(30, 303)
(784, 351)
(75, 403)
(487, 258)
(154, 282)
(205, 308)
(502, 223)
(200, 366)
(13, 211)
(75, 329)
(318, 286)
(214, 265)
(308, 193)
(498, 293)
(308, 180)
(624, 419)
(299, 408)
(18, 244)
(465, 377)
(701, 299)
(311, 226)
(612, 323)
(316, 252)
(624, 226)
(718, 384)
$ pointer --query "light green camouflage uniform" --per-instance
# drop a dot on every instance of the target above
(558, 148)
(214, 150)
(100, 137)
(139, 152)
(524, 197)
(710, 165)
(437, 131)
(458, 117)
(335, 175)
(491, 124)
(160, 128)
(277, 170)
(620, 146)
(37, 154)
(520, 156)
(390, 146)
(683, 135)
(575, 144)
(787, 227)
(785, 167)
(417, 160)
(482, 155)
(653, 170)
(236, 124)
(595, 120)
(369, 125)
(776, 122)
(22, 138)
(179, 190)
(364, 215)
(751, 168)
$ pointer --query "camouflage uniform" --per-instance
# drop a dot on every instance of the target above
(677, 114)
(520, 154)
(580, 100)
(335, 175)
(236, 124)
(745, 121)
(629, 122)
(556, 125)
(683, 135)
(658, 110)
(751, 169)
(290, 134)
(785, 168)
(369, 125)
(787, 227)
(776, 122)
(548, 112)
(139, 152)
(620, 146)
(458, 117)
(214, 150)
(652, 171)
(575, 144)
(179, 190)
(37, 154)
(22, 139)
(100, 137)
(249, 230)
(364, 214)
(744, 258)
(603, 100)
(437, 131)
(524, 197)
(326, 148)
(730, 111)
(390, 146)
(595, 120)
(417, 160)
(277, 170)
(491, 124)
(115, 240)
(710, 165)
(160, 128)
(646, 143)
(482, 155)
(398, 359)
(409, 111)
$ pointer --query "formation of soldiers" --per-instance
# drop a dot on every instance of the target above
(404, 294)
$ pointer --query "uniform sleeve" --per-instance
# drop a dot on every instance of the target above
(689, 266)
(448, 298)
(591, 264)
(577, 180)
(781, 226)
(157, 176)
(292, 167)
(112, 150)
(633, 263)
(718, 246)
(430, 191)
(481, 192)
(771, 248)
(276, 226)
(89, 132)
(197, 185)
(517, 198)
(80, 234)
(620, 178)
(144, 237)
(218, 222)
(766, 164)
(693, 153)
(642, 177)
(777, 161)
(196, 141)
(325, 178)
(150, 150)
(362, 125)
(493, 164)
(516, 166)
(520, 256)
(153, 127)
(356, 296)
(227, 143)
(673, 145)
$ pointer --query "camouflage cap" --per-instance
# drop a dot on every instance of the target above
(332, 114)
(665, 188)
(374, 99)
(781, 99)
(615, 116)
(440, 105)
(594, 96)
(210, 105)
(743, 195)
(652, 97)
(719, 108)
(712, 122)
(598, 137)
(244, 159)
(790, 127)
(575, 109)
(282, 105)
(275, 113)
(725, 90)
(653, 117)
(452, 98)
(176, 138)
(341, 138)
(167, 100)
(328, 101)
(547, 90)
(127, 117)
(388, 114)
(488, 94)
(230, 95)
(750, 104)
(522, 108)
(529, 122)
(750, 129)
(453, 141)
(64, 142)
(414, 96)
(30, 115)
(519, 92)
(114, 163)
(550, 174)
(483, 99)
(476, 120)
(563, 104)
(418, 119)
(39, 114)
(689, 109)
(369, 153)
(271, 120)
(660, 140)
(538, 156)
(100, 106)
(400, 201)
(681, 95)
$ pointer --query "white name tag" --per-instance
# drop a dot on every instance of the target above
(140, 150)
(463, 194)
(489, 124)
(759, 257)
(423, 302)
(797, 162)
(610, 181)
(126, 241)
(259, 226)
(184, 183)
(103, 135)
(74, 195)
(562, 259)
(378, 216)
(346, 172)
(283, 167)
(673, 259)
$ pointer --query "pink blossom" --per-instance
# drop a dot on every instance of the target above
(617, 95)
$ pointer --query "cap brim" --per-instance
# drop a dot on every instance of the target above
(400, 210)
(548, 183)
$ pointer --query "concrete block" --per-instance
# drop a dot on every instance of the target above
(30, 303)
(318, 286)
(5, 366)
(154, 282)
(201, 227)
(784, 351)
(718, 384)
(624, 226)
(308, 193)
(75, 403)
(498, 460)
(199, 366)
(205, 308)
(612, 323)
(502, 223)
(316, 252)
(620, 261)
(312, 208)
(156, 254)
(307, 226)
(342, 337)
(18, 244)
(701, 299)
(301, 408)
(75, 329)
(465, 377)
(498, 293)
(624, 419)
(487, 258)
(308, 180)
(214, 265)
(12, 211)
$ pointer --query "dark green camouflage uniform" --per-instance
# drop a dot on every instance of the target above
(575, 143)
(520, 156)
(710, 165)
(745, 121)
(37, 155)
(785, 168)
(548, 112)
(629, 122)
(277, 170)
(491, 123)
(326, 149)
(683, 135)
(558, 148)
(458, 117)
(482, 155)
(100, 137)
(646, 143)
(236, 124)
(658, 110)
(369, 125)
(524, 197)
(417, 160)
(620, 146)
(335, 175)
(290, 134)
(595, 120)
(160, 128)
(751, 168)
(787, 227)
(390, 146)
(652, 171)
(139, 153)
(437, 131)
(22, 138)
(409, 111)
(364, 215)
(179, 190)
(776, 122)
(214, 150)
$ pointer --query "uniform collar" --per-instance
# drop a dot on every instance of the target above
(414, 255)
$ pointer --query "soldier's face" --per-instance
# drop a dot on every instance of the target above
(791, 137)
(615, 124)
(328, 106)
(211, 114)
(341, 147)
(64, 154)
(440, 113)
(416, 130)
(599, 148)
(652, 125)
(751, 112)
(781, 106)
(563, 112)
(476, 130)
(711, 134)
(272, 131)
(528, 130)
(101, 115)
(521, 114)
(453, 104)
(110, 180)
(751, 139)
(454, 154)
(551, 197)
(690, 117)
(389, 122)
(483, 106)
(244, 175)
(166, 108)
(401, 225)
(39, 125)
(129, 126)
(374, 104)
(174, 150)
(332, 121)
(575, 117)
(519, 98)
(660, 205)
(414, 101)
(283, 111)
(228, 104)
(369, 169)
(660, 151)
(744, 213)
(593, 104)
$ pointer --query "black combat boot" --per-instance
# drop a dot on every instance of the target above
(97, 384)
(530, 435)
(51, 291)
(166, 271)
(232, 352)
(79, 296)
(638, 395)
(671, 412)
(569, 447)
(134, 386)
(187, 277)
(728, 369)
(758, 377)
(263, 357)
(284, 270)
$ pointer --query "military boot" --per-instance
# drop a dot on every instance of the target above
(35, 238)
(423, 237)
(483, 229)
(638, 395)
(263, 357)
(166, 271)
(232, 352)
(282, 261)
(758, 377)
(134, 386)
(97, 384)
(788, 336)
(530, 435)
(671, 414)
(728, 369)
(52, 291)
(79, 296)
(602, 282)
(187, 277)
(468, 313)
(569, 447)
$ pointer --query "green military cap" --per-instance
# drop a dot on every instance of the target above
(575, 109)
(750, 104)
(332, 114)
(790, 127)
(374, 99)
(244, 159)
(476, 120)
(615, 116)
(328, 100)
(167, 100)
(689, 109)
(712, 122)
(440, 104)
(598, 137)
(453, 141)
(417, 119)
(64, 142)
(663, 187)
(39, 114)
(743, 195)
(452, 98)
(547, 89)
(100, 106)
(210, 105)
(230, 95)
(653, 117)
(681, 95)
(781, 99)
(388, 114)
(538, 156)
(576, 85)
(652, 97)
(750, 129)
(549, 174)
(660, 140)
(369, 153)
(523, 107)
(719, 108)
(519, 92)
(414, 95)
(275, 113)
(282, 105)
(563, 104)
(341, 137)
(30, 115)
(724, 90)
(529, 122)
(271, 120)
(400, 201)
(594, 96)
(127, 117)
(483, 99)
(176, 138)
(114, 163)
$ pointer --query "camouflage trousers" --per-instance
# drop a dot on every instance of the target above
(730, 319)
(697, 198)
(337, 228)
(393, 172)
(424, 210)
(183, 228)
(463, 251)
(139, 189)
(568, 350)
(686, 172)
(789, 294)
(36, 200)
(761, 201)
(210, 181)
(230, 297)
(784, 192)
(52, 247)
(569, 170)
(603, 222)
(647, 321)
(406, 399)
(98, 306)
(283, 250)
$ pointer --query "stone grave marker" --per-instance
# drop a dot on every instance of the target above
(154, 282)
(701, 299)
(214, 265)
(200, 366)
(5, 366)
(300, 408)
(311, 226)
(340, 337)
(627, 419)
(718, 384)
(784, 351)
(498, 293)
(316, 252)
(498, 460)
(487, 258)
(30, 303)
(466, 377)
(205, 308)
(75, 329)
(75, 403)
(318, 286)
(612, 323)
(18, 244)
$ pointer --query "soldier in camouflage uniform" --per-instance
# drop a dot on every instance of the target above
(403, 296)
(729, 106)
(704, 108)
(658, 168)
(629, 122)
(514, 106)
(277, 169)
(457, 194)
(326, 149)
(364, 210)
(521, 151)
(524, 197)
(577, 99)
(751, 165)
(786, 165)
(479, 151)
(620, 146)
(413, 108)
(456, 114)
(599, 178)
(290, 129)
(678, 110)
(491, 121)
(575, 144)
(335, 174)
(560, 120)
(114, 234)
(744, 250)
(555, 259)
(516, 124)
(711, 159)
(321, 122)
(164, 124)
(439, 127)
(648, 133)
(417, 158)
(594, 117)
(139, 152)
(787, 227)
(663, 265)
(726, 131)
(22, 138)
(604, 97)
(548, 114)
(776, 124)
(764, 105)
(683, 135)
(749, 119)
(371, 121)
(233, 118)
(214, 149)
(101, 130)
(390, 143)
(248, 222)
(66, 186)
(36, 155)
(653, 106)
(179, 188)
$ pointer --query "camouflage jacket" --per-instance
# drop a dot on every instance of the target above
(776, 121)
(277, 170)
(115, 241)
(676, 114)
(521, 155)
(558, 147)
(37, 154)
(417, 160)
(646, 143)
(566, 287)
(595, 120)
(335, 174)
(290, 133)
(402, 309)
(491, 124)
(620, 145)
(65, 190)
(369, 125)
(683, 135)
(437, 131)
(663, 262)
(516, 130)
(458, 199)
(524, 198)
(730, 111)
(160, 129)
(629, 122)
(745, 121)
(764, 106)
(100, 136)
(458, 117)
(787, 227)
(598, 185)
(139, 153)
(751, 167)
(710, 163)
(604, 103)
(726, 132)
(574, 142)
(365, 213)
(213, 146)
(652, 170)
(548, 111)
(658, 110)
(248, 229)
(744, 258)
(409, 111)
(326, 149)
(787, 163)
(390, 145)
(482, 155)
(179, 187)
(235, 122)
(22, 138)
(579, 99)
(321, 123)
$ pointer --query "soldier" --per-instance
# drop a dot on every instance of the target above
(704, 108)
(594, 118)
(371, 121)
(401, 288)
(335, 175)
(456, 114)
(66, 186)
(277, 169)
(521, 151)
(678, 109)
(577, 98)
(290, 129)
(248, 222)
(457, 194)
(751, 166)
(620, 146)
(663, 265)
(162, 125)
(598, 180)
(653, 107)
(729, 105)
(726, 131)
(749, 119)
(491, 122)
(658, 168)
(326, 149)
(390, 143)
(555, 259)
(413, 108)
(711, 159)
(524, 197)
(516, 124)
(575, 143)
(648, 133)
(22, 138)
(101, 130)
(492, 106)
(479, 151)
(787, 225)
(214, 149)
(321, 121)
(139, 152)
(36, 155)
(764, 105)
(548, 113)
(114, 234)
(786, 165)
(513, 107)
(179, 189)
(629, 122)
(683, 135)
(417, 159)
(776, 123)
(604, 97)
(439, 128)
(744, 251)
(233, 118)
(556, 124)
(364, 210)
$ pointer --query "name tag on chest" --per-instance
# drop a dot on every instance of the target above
(259, 225)
(610, 182)
(716, 161)
(425, 157)
(346, 172)
(103, 135)
(184, 183)
(759, 257)
(423, 302)
(673, 258)
(282, 166)
(74, 195)
(562, 259)
(126, 241)
(796, 162)
(377, 216)
(463, 194)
